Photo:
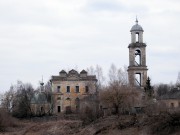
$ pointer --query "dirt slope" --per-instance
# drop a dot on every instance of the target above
(124, 125)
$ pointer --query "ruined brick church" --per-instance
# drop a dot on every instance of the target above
(70, 89)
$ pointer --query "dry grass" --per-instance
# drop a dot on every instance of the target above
(6, 121)
(124, 125)
(61, 127)
(164, 124)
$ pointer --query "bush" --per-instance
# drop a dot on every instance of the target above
(165, 123)
(6, 120)
(87, 115)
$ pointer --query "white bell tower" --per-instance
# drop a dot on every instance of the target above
(137, 70)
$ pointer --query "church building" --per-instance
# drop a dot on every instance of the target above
(71, 89)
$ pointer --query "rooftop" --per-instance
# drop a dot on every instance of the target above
(73, 75)
(136, 27)
(173, 94)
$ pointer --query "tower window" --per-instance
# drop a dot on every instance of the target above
(137, 37)
(138, 79)
(58, 88)
(77, 89)
(68, 89)
(137, 57)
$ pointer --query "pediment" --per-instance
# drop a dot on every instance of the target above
(73, 77)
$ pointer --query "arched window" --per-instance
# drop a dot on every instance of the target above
(58, 109)
(58, 98)
(138, 79)
(137, 57)
(137, 37)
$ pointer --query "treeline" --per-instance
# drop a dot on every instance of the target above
(17, 100)
(112, 90)
(115, 96)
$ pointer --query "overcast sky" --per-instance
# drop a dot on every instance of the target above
(42, 37)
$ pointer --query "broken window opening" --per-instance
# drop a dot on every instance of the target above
(137, 37)
(58, 88)
(137, 57)
(68, 99)
(138, 79)
(86, 89)
(59, 98)
(42, 108)
(77, 89)
(172, 105)
(59, 109)
(68, 89)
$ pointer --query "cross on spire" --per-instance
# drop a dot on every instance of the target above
(42, 83)
(136, 20)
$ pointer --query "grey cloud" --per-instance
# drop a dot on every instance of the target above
(38, 39)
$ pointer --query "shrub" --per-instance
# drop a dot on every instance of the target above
(87, 115)
(6, 120)
(165, 123)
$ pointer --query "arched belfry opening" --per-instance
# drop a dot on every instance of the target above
(137, 54)
(137, 37)
(137, 70)
(138, 79)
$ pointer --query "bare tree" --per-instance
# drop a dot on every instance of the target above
(122, 98)
(1, 99)
(98, 71)
(17, 99)
(49, 96)
(8, 98)
(22, 100)
(48, 91)
(118, 75)
(162, 89)
(91, 70)
(100, 77)
(118, 94)
(178, 80)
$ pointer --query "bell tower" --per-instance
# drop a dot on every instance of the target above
(137, 70)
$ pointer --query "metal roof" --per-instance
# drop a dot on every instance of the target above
(136, 27)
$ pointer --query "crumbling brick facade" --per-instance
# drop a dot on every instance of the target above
(69, 90)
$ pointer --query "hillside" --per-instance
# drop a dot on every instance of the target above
(112, 125)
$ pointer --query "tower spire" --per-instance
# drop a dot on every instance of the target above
(41, 83)
(42, 78)
(136, 20)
